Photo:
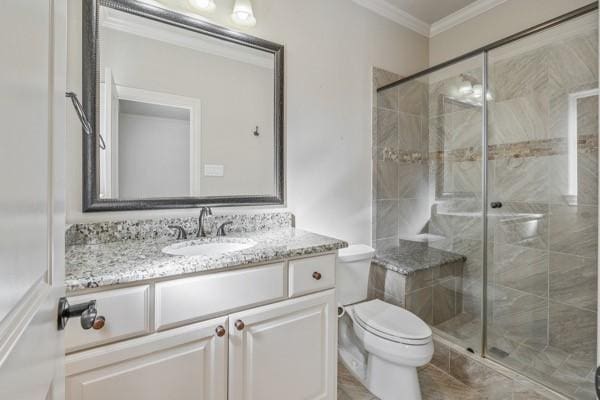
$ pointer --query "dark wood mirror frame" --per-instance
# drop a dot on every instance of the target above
(91, 200)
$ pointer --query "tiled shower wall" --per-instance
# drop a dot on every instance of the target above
(542, 249)
(400, 171)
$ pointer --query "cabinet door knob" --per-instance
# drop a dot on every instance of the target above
(316, 275)
(239, 325)
(220, 331)
(99, 322)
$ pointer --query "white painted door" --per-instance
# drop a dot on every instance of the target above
(285, 350)
(188, 363)
(32, 126)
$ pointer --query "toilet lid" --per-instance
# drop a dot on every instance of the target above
(391, 320)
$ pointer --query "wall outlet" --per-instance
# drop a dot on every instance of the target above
(214, 170)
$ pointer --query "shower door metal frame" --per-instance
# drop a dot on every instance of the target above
(512, 38)
(483, 51)
(484, 206)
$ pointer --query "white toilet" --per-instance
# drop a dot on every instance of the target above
(394, 340)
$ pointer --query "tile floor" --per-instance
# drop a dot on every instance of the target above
(570, 374)
(435, 385)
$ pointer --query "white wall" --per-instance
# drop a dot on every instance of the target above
(154, 156)
(506, 19)
(331, 47)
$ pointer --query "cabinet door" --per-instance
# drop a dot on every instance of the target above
(182, 364)
(285, 350)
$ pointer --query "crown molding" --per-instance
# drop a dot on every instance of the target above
(395, 14)
(401, 17)
(464, 14)
(150, 29)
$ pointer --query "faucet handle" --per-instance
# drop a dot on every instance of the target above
(181, 233)
(221, 230)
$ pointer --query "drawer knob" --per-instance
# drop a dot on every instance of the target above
(99, 322)
(239, 325)
(220, 331)
(316, 275)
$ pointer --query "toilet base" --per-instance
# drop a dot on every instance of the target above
(391, 381)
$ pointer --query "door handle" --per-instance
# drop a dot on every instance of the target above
(87, 312)
(597, 381)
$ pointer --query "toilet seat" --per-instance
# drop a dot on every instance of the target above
(392, 323)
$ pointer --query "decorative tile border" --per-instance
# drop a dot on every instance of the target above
(466, 154)
(390, 154)
(531, 148)
(115, 231)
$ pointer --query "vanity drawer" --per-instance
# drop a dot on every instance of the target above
(127, 315)
(312, 274)
(202, 297)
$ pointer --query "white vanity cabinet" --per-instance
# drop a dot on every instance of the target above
(285, 350)
(129, 312)
(188, 363)
(259, 339)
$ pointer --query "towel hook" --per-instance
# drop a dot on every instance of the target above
(87, 127)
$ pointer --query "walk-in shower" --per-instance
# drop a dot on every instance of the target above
(496, 159)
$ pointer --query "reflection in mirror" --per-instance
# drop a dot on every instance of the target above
(183, 114)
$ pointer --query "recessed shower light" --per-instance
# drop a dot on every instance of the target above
(243, 13)
(203, 5)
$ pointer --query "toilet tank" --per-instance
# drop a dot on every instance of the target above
(352, 273)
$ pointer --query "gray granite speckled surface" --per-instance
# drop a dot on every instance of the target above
(116, 231)
(127, 261)
(409, 257)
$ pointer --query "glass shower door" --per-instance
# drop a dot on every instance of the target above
(543, 206)
(456, 200)
(429, 196)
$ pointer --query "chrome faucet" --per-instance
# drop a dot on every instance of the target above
(181, 233)
(204, 211)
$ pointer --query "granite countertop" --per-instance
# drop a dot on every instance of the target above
(127, 261)
(409, 257)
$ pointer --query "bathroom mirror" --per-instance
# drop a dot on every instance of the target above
(184, 113)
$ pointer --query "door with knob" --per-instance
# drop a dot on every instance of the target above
(285, 350)
(33, 114)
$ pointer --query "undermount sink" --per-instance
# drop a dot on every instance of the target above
(202, 247)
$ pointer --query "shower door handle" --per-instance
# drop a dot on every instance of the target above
(496, 204)
(597, 380)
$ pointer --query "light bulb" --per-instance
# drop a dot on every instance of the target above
(466, 89)
(204, 5)
(477, 91)
(243, 13)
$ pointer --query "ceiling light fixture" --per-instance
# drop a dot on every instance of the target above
(243, 13)
(203, 5)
